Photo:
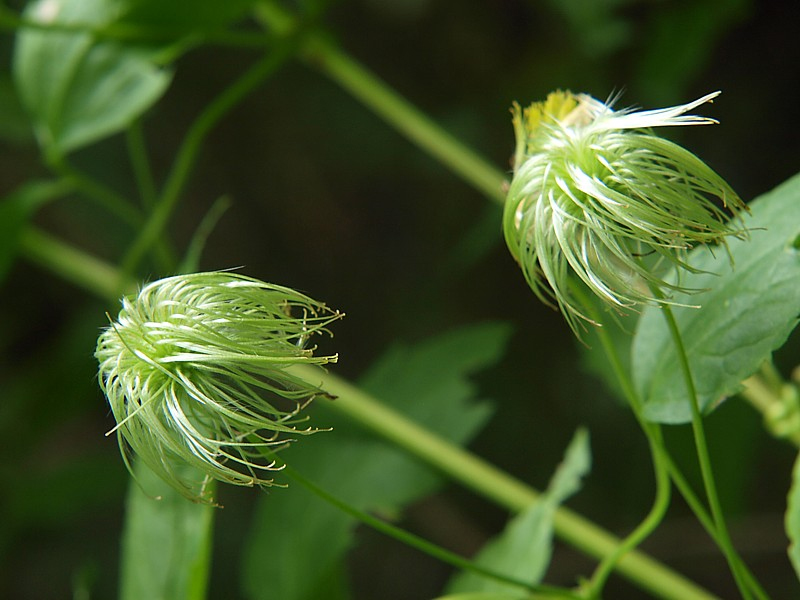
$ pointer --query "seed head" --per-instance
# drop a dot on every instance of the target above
(597, 196)
(195, 369)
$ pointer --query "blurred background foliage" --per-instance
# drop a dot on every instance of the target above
(330, 200)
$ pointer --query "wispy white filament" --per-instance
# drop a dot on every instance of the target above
(597, 197)
(195, 369)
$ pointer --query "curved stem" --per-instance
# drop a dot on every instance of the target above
(653, 432)
(655, 437)
(726, 545)
(137, 151)
(189, 150)
(658, 453)
(191, 259)
(409, 538)
(648, 525)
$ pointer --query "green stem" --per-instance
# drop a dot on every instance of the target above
(648, 525)
(191, 259)
(320, 53)
(495, 485)
(78, 267)
(707, 522)
(409, 538)
(103, 196)
(138, 34)
(190, 149)
(654, 434)
(473, 472)
(652, 430)
(723, 536)
(659, 455)
(137, 150)
(108, 199)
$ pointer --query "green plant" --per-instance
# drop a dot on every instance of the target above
(208, 372)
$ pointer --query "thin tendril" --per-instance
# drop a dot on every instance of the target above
(413, 540)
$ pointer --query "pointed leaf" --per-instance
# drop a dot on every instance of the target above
(77, 88)
(524, 548)
(747, 313)
(166, 546)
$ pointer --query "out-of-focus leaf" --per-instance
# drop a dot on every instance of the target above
(429, 383)
(76, 87)
(14, 123)
(793, 518)
(524, 548)
(16, 210)
(747, 313)
(166, 545)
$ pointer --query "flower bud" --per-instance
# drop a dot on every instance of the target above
(598, 196)
(196, 369)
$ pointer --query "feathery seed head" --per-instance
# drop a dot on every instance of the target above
(195, 372)
(595, 190)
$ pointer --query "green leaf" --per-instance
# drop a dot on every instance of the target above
(16, 211)
(166, 545)
(14, 123)
(747, 313)
(77, 88)
(429, 383)
(524, 548)
(793, 518)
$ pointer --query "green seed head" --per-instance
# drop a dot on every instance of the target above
(196, 369)
(597, 196)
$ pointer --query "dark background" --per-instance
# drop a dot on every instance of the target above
(327, 198)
